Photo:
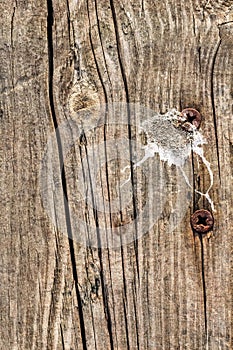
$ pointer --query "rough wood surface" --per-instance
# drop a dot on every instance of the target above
(170, 289)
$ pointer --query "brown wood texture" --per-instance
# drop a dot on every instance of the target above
(169, 289)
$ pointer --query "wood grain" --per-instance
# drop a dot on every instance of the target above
(61, 289)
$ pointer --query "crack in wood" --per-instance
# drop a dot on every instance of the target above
(50, 22)
(126, 325)
(12, 48)
(202, 254)
(103, 284)
(213, 106)
(68, 20)
(105, 300)
(62, 338)
(204, 284)
(124, 78)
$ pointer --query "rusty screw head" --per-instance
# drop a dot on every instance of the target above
(202, 221)
(192, 118)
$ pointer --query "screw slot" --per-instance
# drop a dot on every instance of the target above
(202, 221)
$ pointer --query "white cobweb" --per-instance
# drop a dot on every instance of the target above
(166, 137)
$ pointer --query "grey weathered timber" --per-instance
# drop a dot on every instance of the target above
(61, 287)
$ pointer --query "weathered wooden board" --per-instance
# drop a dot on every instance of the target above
(73, 274)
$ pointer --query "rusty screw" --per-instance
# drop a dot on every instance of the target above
(192, 117)
(202, 221)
